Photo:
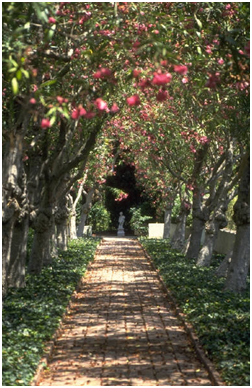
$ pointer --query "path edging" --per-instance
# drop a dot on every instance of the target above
(212, 372)
(50, 345)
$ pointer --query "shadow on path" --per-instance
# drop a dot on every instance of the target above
(121, 329)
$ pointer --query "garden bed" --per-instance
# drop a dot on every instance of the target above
(32, 315)
(220, 319)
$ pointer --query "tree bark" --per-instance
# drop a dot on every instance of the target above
(217, 222)
(41, 246)
(16, 271)
(12, 176)
(178, 240)
(62, 220)
(167, 222)
(199, 214)
(85, 209)
(239, 266)
(222, 270)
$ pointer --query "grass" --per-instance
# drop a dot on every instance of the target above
(31, 315)
(221, 319)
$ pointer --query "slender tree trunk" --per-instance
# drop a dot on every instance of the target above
(239, 266)
(178, 240)
(167, 222)
(62, 220)
(84, 212)
(199, 214)
(73, 204)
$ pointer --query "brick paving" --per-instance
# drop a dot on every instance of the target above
(121, 329)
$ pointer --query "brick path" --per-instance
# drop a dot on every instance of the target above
(121, 330)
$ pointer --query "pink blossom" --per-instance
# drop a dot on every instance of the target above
(90, 115)
(103, 72)
(33, 101)
(51, 20)
(114, 108)
(220, 61)
(60, 99)
(144, 83)
(133, 100)
(184, 80)
(101, 104)
(161, 79)
(82, 111)
(45, 123)
(75, 114)
(136, 73)
(203, 140)
(181, 69)
(162, 95)
(212, 81)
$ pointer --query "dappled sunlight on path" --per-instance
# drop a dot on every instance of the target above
(121, 329)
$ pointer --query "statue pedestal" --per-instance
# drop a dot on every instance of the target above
(120, 232)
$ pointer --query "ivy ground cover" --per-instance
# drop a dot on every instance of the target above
(220, 319)
(31, 315)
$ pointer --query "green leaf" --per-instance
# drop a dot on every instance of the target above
(198, 22)
(26, 73)
(19, 75)
(199, 50)
(48, 83)
(14, 84)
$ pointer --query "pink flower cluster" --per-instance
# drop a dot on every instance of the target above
(121, 197)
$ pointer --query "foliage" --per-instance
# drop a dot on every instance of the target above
(138, 221)
(99, 218)
(31, 315)
(221, 319)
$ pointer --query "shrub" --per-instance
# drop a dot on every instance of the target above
(138, 221)
(221, 319)
(32, 314)
(99, 218)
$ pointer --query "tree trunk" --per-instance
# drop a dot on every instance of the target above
(167, 222)
(199, 214)
(11, 192)
(41, 246)
(178, 240)
(222, 270)
(218, 221)
(239, 266)
(84, 212)
(62, 220)
(206, 252)
(16, 272)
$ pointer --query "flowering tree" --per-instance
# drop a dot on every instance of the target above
(69, 67)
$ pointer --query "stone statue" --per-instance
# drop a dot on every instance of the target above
(120, 231)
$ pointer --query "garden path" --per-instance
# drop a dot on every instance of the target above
(121, 329)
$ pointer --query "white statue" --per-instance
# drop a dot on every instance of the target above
(121, 220)
(120, 231)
